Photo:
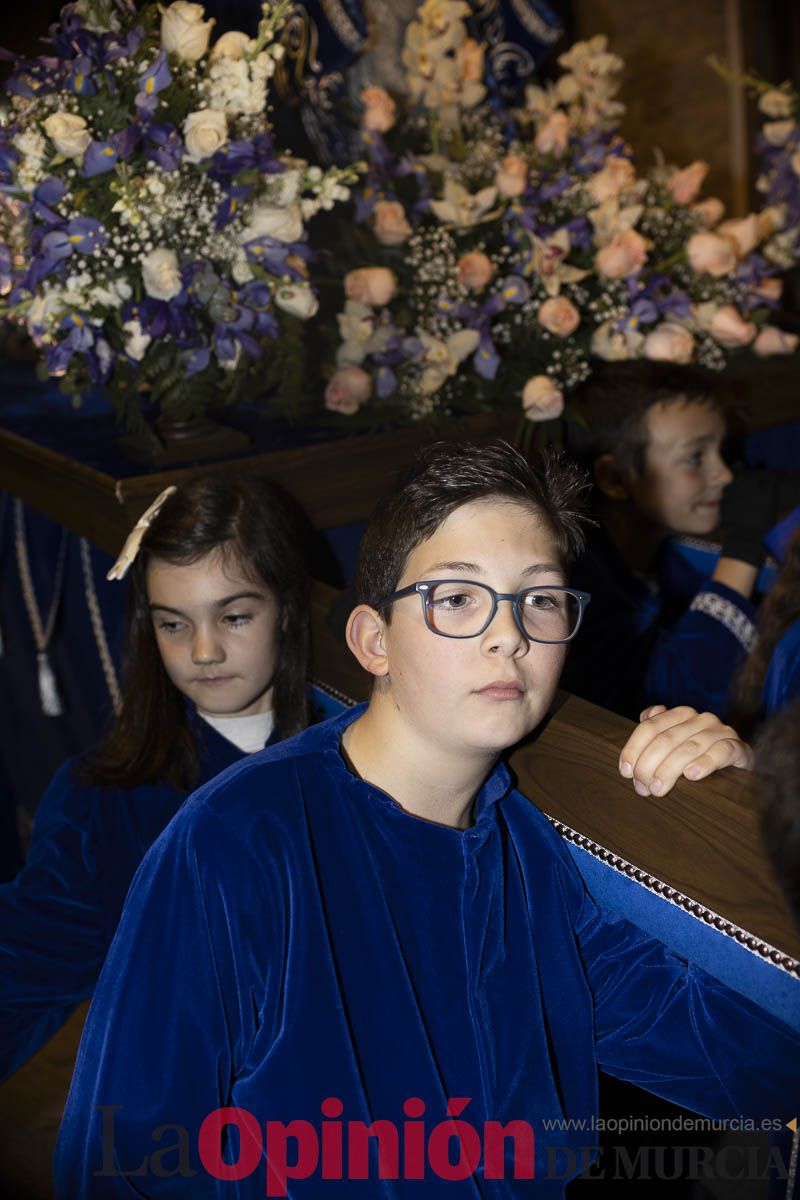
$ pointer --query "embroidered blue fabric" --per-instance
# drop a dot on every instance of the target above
(295, 936)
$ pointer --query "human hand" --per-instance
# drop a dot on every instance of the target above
(748, 511)
(674, 742)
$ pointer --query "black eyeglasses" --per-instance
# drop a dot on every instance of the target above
(458, 608)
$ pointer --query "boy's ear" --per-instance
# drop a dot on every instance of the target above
(364, 636)
(609, 478)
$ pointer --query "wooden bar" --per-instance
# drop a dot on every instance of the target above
(336, 482)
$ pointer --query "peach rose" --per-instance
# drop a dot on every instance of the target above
(712, 254)
(772, 340)
(730, 329)
(553, 136)
(475, 270)
(669, 342)
(623, 256)
(370, 285)
(615, 178)
(559, 316)
(686, 183)
(743, 231)
(512, 176)
(710, 211)
(380, 110)
(469, 58)
(349, 388)
(541, 399)
(771, 219)
(390, 223)
(770, 289)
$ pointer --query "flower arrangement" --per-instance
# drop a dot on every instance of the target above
(499, 251)
(152, 234)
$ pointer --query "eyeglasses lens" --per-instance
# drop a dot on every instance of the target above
(463, 610)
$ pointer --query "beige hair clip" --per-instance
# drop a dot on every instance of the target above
(134, 539)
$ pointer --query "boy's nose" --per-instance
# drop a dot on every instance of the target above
(503, 633)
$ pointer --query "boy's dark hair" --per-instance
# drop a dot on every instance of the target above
(262, 530)
(778, 762)
(608, 409)
(447, 475)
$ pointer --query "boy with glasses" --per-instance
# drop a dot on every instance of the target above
(368, 924)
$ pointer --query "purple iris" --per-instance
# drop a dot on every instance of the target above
(197, 360)
(230, 205)
(151, 82)
(164, 145)
(6, 269)
(83, 235)
(486, 360)
(47, 195)
(79, 76)
(99, 158)
(385, 382)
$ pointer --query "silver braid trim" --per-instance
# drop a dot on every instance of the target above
(727, 613)
(658, 888)
(98, 629)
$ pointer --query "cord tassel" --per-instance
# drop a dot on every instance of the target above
(48, 688)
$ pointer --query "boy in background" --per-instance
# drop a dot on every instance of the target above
(651, 436)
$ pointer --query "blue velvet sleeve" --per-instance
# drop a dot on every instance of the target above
(53, 935)
(177, 1005)
(695, 660)
(782, 681)
(675, 1030)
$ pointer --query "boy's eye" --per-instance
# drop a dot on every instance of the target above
(544, 601)
(451, 601)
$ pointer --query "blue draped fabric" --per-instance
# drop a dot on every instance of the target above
(680, 642)
(34, 745)
(57, 918)
(296, 937)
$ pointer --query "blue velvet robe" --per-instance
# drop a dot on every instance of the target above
(58, 916)
(782, 681)
(681, 642)
(295, 936)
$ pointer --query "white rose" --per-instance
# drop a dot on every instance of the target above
(136, 341)
(298, 300)
(230, 45)
(775, 103)
(161, 274)
(205, 132)
(68, 132)
(42, 308)
(268, 220)
(183, 30)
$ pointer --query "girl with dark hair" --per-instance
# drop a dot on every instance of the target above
(217, 652)
(770, 677)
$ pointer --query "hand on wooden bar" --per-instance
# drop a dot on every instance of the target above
(671, 743)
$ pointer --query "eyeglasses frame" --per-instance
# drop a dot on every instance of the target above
(423, 586)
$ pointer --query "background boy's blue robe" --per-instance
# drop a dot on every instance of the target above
(295, 935)
(57, 918)
(679, 642)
